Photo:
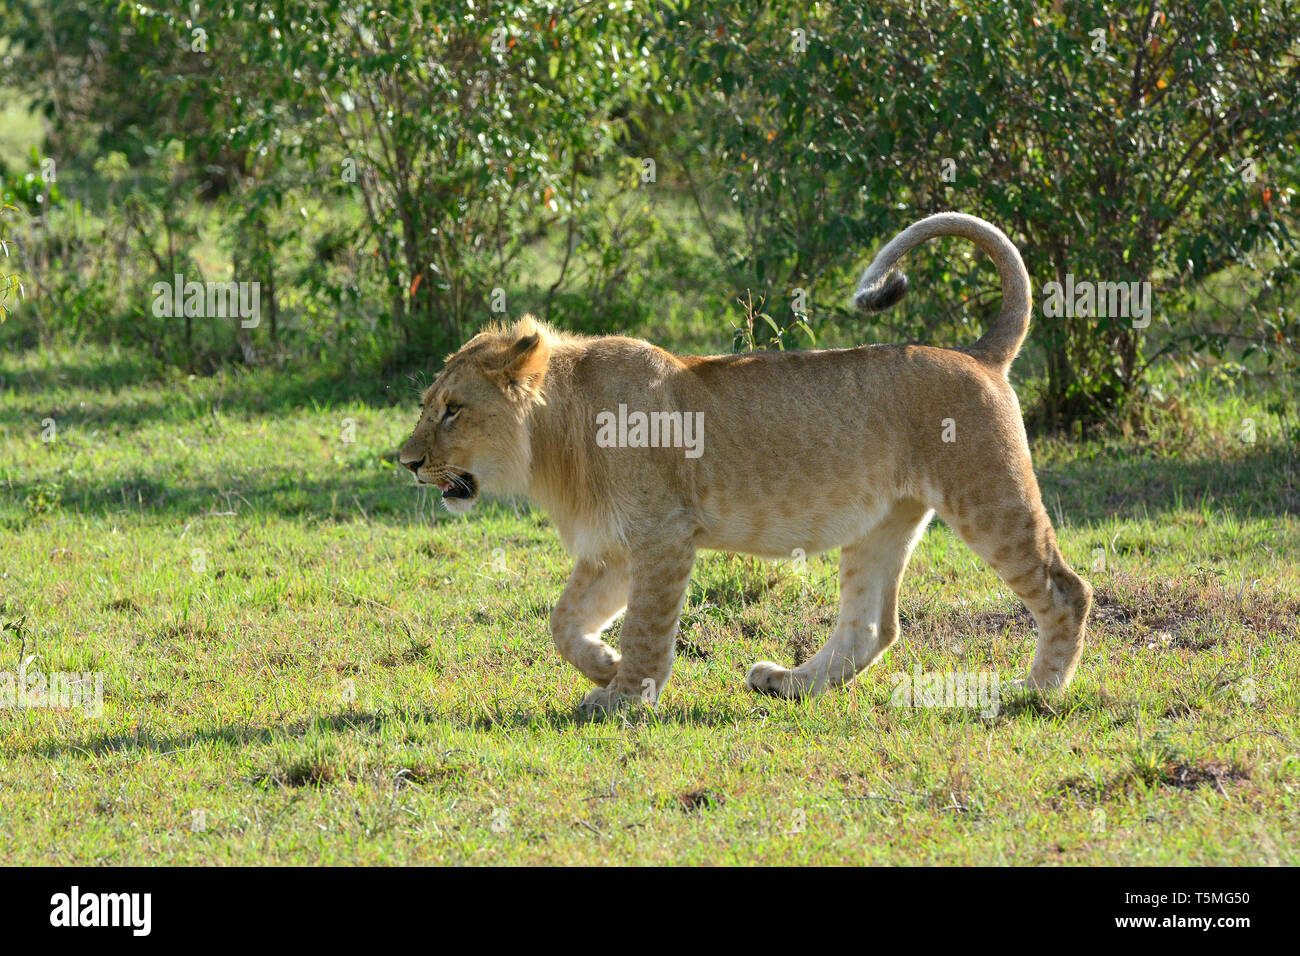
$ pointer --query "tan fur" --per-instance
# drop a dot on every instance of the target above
(801, 450)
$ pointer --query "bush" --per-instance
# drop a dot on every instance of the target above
(1113, 144)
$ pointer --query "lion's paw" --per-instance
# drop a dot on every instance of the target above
(765, 677)
(604, 701)
(1030, 685)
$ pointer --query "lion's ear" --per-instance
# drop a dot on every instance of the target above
(523, 363)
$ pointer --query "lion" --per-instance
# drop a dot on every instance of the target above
(791, 452)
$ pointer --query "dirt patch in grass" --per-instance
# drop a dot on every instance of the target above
(1215, 773)
(315, 763)
(953, 624)
(413, 653)
(695, 646)
(172, 631)
(429, 775)
(1157, 614)
(804, 644)
(1171, 775)
(439, 550)
(143, 493)
(304, 772)
(694, 801)
(1169, 613)
(1018, 616)
(803, 637)
(1109, 609)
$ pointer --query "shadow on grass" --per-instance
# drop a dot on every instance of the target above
(1079, 703)
(240, 735)
(345, 494)
(1257, 483)
(564, 715)
(174, 400)
(561, 716)
(113, 373)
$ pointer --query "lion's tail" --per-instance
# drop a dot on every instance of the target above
(882, 284)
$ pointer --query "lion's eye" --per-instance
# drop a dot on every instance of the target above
(451, 412)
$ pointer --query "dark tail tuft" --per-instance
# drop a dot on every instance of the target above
(882, 284)
(882, 295)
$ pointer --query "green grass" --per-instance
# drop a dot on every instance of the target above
(305, 662)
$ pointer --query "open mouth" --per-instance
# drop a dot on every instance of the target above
(460, 485)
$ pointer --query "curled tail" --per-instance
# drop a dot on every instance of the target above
(882, 285)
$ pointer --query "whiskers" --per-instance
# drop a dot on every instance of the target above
(453, 478)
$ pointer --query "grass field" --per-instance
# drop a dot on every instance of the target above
(303, 661)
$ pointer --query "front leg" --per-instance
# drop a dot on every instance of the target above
(595, 595)
(660, 573)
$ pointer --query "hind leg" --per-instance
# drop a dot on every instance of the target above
(1015, 536)
(870, 572)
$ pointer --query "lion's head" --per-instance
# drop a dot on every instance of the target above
(472, 436)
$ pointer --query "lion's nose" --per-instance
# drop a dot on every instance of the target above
(413, 465)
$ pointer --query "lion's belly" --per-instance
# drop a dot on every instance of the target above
(786, 528)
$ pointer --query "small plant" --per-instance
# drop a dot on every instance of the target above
(1150, 760)
(314, 761)
(33, 191)
(1204, 575)
(18, 629)
(44, 499)
(10, 282)
(745, 339)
